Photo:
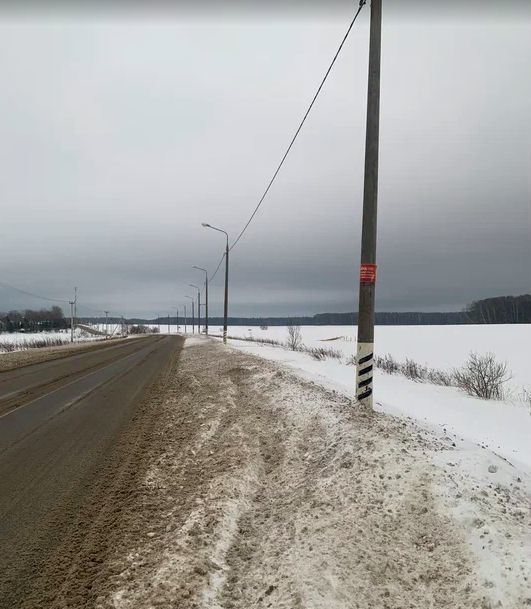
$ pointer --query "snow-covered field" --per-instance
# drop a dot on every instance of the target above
(503, 427)
(21, 340)
(443, 347)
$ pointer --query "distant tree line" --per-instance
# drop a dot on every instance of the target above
(31, 320)
(500, 310)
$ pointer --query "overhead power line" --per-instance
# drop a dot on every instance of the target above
(46, 298)
(211, 278)
(12, 287)
(279, 167)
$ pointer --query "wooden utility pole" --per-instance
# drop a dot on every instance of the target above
(365, 353)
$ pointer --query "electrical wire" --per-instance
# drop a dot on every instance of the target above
(279, 167)
(12, 287)
(211, 278)
(40, 297)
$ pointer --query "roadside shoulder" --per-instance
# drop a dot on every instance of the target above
(267, 488)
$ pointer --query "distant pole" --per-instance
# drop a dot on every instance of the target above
(226, 303)
(177, 318)
(185, 326)
(206, 296)
(193, 313)
(206, 304)
(365, 354)
(192, 285)
(75, 305)
(71, 321)
(106, 324)
(169, 331)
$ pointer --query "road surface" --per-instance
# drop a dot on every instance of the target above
(62, 425)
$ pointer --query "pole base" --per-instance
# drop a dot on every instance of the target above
(364, 374)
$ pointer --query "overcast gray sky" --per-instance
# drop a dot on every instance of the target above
(122, 130)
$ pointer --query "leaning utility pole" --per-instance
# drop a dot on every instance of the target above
(364, 369)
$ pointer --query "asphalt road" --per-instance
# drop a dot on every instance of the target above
(60, 422)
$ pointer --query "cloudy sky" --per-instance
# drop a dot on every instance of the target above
(122, 130)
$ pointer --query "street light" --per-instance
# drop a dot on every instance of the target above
(226, 304)
(206, 296)
(193, 300)
(198, 306)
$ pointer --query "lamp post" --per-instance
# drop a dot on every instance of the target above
(192, 285)
(193, 314)
(226, 303)
(206, 296)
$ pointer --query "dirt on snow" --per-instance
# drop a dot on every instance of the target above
(260, 489)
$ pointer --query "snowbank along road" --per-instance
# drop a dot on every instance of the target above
(265, 490)
(63, 444)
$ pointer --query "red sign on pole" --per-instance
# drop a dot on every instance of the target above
(368, 273)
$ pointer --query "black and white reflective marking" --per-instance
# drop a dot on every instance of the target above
(364, 370)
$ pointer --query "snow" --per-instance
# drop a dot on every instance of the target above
(502, 427)
(21, 338)
(261, 480)
(443, 347)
